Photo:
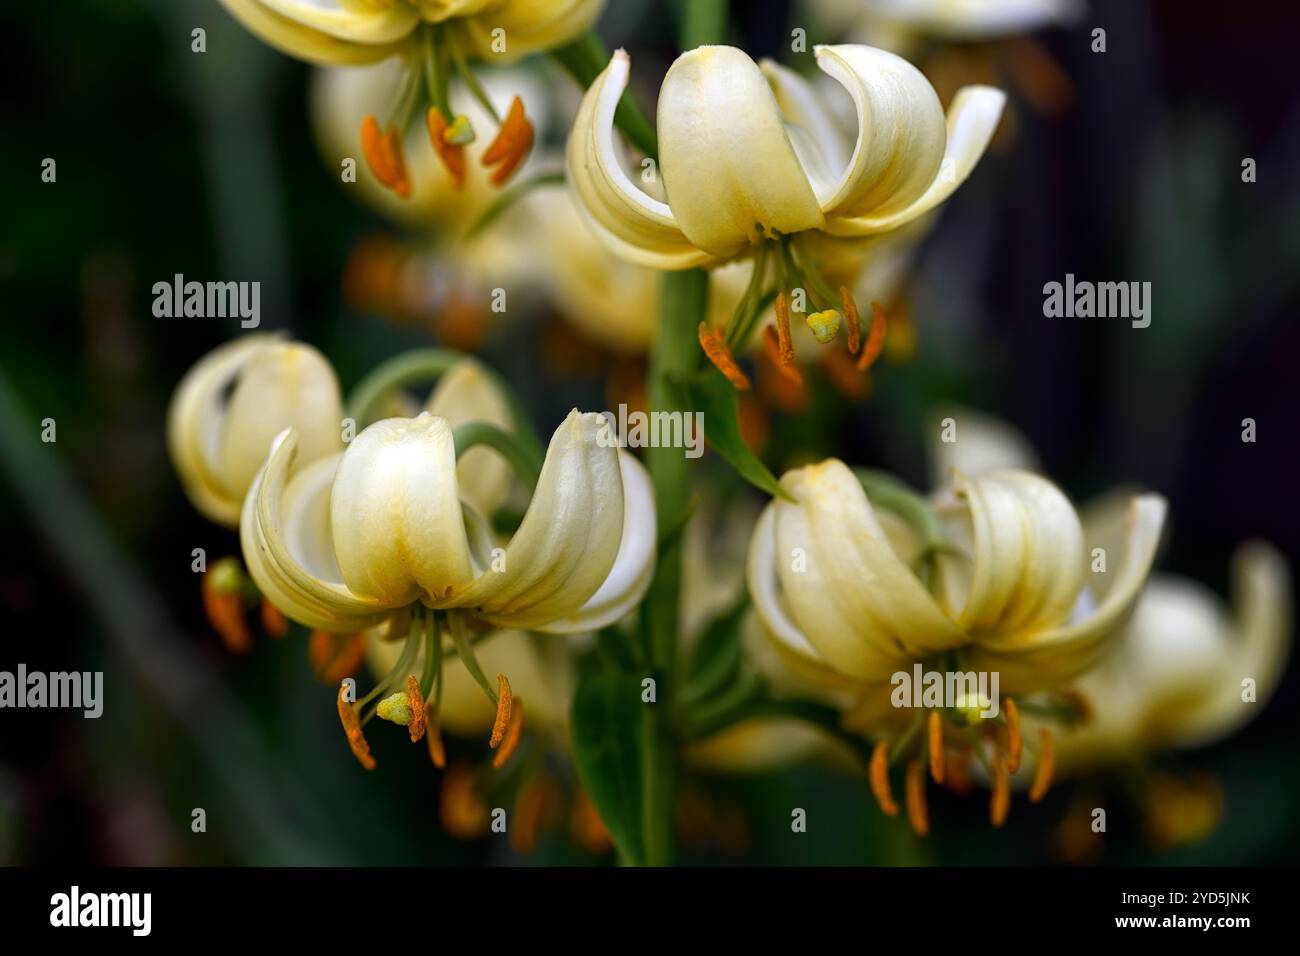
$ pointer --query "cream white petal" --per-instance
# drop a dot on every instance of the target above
(730, 171)
(972, 119)
(566, 545)
(284, 384)
(901, 135)
(529, 25)
(1028, 556)
(855, 600)
(1057, 656)
(358, 23)
(399, 532)
(639, 227)
(194, 426)
(281, 24)
(468, 392)
(803, 108)
(629, 578)
(973, 19)
(290, 581)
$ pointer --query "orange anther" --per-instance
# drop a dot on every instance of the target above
(513, 734)
(875, 338)
(879, 776)
(1015, 743)
(851, 317)
(415, 702)
(352, 727)
(433, 737)
(1000, 801)
(917, 813)
(936, 746)
(772, 343)
(451, 154)
(1046, 763)
(783, 330)
(504, 699)
(720, 356)
(273, 622)
(513, 143)
(225, 612)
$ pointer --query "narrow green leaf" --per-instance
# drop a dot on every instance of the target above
(716, 659)
(712, 394)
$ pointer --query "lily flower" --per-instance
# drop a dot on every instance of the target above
(430, 38)
(997, 576)
(382, 534)
(229, 407)
(754, 165)
(891, 22)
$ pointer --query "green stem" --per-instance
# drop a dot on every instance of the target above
(417, 367)
(526, 463)
(704, 22)
(508, 198)
(471, 81)
(467, 657)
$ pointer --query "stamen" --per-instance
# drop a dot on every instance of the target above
(825, 325)
(433, 737)
(336, 656)
(372, 147)
(783, 330)
(451, 154)
(460, 808)
(1015, 743)
(587, 828)
(772, 342)
(504, 699)
(917, 813)
(415, 701)
(720, 356)
(851, 316)
(224, 608)
(936, 746)
(1000, 801)
(1046, 764)
(352, 727)
(273, 622)
(875, 338)
(512, 737)
(393, 150)
(844, 374)
(956, 772)
(530, 809)
(879, 776)
(513, 143)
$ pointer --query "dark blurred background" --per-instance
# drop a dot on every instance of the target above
(205, 165)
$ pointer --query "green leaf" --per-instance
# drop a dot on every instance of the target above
(624, 760)
(712, 394)
(716, 660)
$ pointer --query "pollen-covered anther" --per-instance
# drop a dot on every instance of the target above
(1015, 742)
(451, 154)
(383, 152)
(224, 606)
(875, 338)
(505, 699)
(879, 777)
(352, 727)
(433, 737)
(415, 703)
(937, 763)
(1046, 765)
(772, 343)
(825, 325)
(1000, 800)
(917, 812)
(786, 350)
(721, 358)
(851, 318)
(513, 143)
(273, 621)
(513, 734)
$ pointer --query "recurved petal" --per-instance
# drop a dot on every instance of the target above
(972, 118)
(325, 32)
(1054, 657)
(1028, 556)
(848, 592)
(633, 568)
(529, 25)
(981, 443)
(730, 171)
(194, 420)
(399, 532)
(282, 385)
(287, 553)
(569, 538)
(635, 225)
(901, 136)
(468, 392)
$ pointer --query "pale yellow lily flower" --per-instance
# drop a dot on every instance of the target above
(351, 539)
(837, 595)
(899, 24)
(352, 32)
(750, 153)
(230, 406)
